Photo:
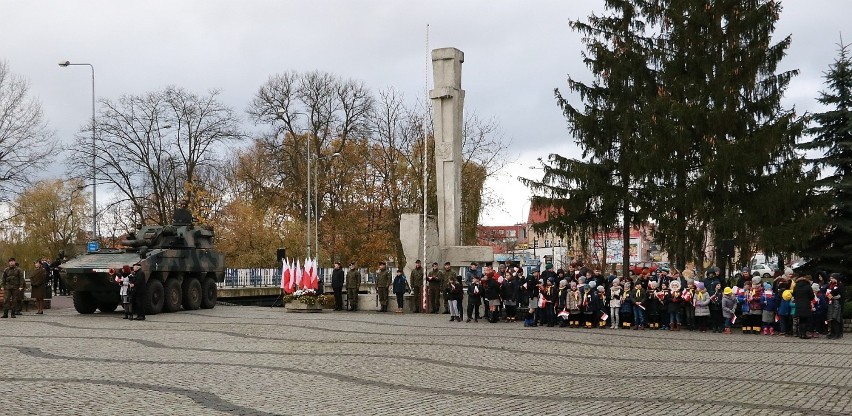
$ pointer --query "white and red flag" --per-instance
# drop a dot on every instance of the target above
(285, 276)
(299, 283)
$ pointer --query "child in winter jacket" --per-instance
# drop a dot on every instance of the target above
(835, 314)
(626, 310)
(742, 302)
(785, 312)
(701, 305)
(729, 305)
(572, 303)
(767, 303)
(820, 312)
(615, 303)
(653, 305)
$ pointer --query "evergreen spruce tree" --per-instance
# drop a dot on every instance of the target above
(726, 148)
(831, 250)
(598, 193)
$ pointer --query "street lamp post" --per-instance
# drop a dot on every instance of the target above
(94, 154)
(316, 200)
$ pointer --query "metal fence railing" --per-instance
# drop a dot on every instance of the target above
(272, 277)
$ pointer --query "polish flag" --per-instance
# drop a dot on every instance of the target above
(285, 276)
(291, 278)
(316, 274)
(311, 271)
(299, 275)
(604, 316)
(307, 278)
(306, 274)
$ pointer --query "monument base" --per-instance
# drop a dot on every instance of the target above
(300, 307)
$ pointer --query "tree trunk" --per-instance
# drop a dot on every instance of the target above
(625, 240)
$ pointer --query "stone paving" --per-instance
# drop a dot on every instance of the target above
(263, 361)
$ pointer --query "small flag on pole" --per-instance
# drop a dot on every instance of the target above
(604, 316)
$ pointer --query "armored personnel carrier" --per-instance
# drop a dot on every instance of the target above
(179, 260)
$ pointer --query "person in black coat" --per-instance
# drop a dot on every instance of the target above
(530, 292)
(337, 280)
(400, 287)
(803, 295)
(139, 288)
(492, 293)
(509, 293)
(474, 299)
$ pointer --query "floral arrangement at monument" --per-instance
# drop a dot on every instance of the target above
(306, 296)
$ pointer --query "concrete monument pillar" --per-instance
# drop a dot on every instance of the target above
(443, 234)
(447, 107)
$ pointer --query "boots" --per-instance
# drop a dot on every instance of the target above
(5, 313)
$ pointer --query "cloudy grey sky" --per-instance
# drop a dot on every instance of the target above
(516, 52)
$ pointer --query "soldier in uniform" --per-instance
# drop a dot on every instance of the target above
(353, 282)
(416, 282)
(140, 292)
(12, 282)
(383, 281)
(434, 282)
(447, 276)
(337, 280)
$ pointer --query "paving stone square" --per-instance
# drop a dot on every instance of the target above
(262, 361)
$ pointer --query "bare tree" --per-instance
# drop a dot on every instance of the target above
(315, 106)
(26, 143)
(151, 147)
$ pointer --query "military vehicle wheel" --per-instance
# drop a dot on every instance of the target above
(107, 307)
(191, 294)
(208, 293)
(173, 296)
(154, 298)
(84, 302)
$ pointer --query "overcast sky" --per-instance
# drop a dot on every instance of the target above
(516, 53)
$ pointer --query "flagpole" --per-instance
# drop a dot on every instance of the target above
(425, 168)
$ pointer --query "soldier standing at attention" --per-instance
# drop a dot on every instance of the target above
(140, 292)
(434, 282)
(13, 281)
(383, 281)
(337, 285)
(416, 282)
(353, 282)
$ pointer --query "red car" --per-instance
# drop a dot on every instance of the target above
(637, 268)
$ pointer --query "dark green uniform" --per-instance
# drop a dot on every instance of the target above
(353, 283)
(434, 282)
(383, 281)
(12, 282)
(417, 287)
(446, 276)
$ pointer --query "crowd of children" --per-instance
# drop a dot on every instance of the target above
(787, 305)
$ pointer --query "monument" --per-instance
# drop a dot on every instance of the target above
(443, 233)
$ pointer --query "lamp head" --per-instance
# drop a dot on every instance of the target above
(64, 63)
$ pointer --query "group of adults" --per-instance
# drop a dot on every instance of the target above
(132, 290)
(14, 284)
